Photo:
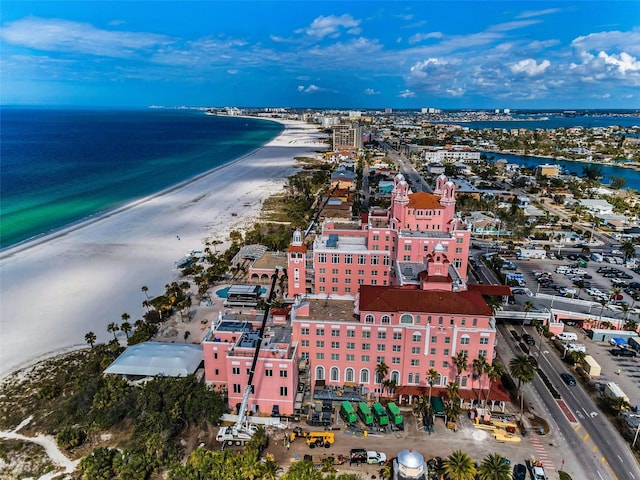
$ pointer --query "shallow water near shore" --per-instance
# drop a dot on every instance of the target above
(63, 166)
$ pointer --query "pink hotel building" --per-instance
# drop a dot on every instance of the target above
(390, 287)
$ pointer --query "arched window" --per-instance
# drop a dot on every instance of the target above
(319, 372)
(406, 318)
(395, 377)
(349, 375)
(334, 374)
(368, 319)
(385, 319)
(364, 375)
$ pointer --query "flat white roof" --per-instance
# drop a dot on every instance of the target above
(151, 359)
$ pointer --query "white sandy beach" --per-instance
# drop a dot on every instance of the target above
(55, 290)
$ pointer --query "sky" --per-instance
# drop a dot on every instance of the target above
(322, 54)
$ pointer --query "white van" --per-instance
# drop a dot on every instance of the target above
(567, 336)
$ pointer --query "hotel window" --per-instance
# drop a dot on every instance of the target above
(335, 258)
(321, 270)
(375, 248)
(322, 258)
(362, 259)
(382, 335)
(347, 281)
(366, 334)
(416, 337)
(217, 372)
(432, 351)
(434, 339)
(482, 353)
(235, 370)
(283, 374)
(347, 271)
(484, 340)
(335, 333)
(463, 381)
(321, 289)
(319, 356)
(374, 273)
(237, 388)
(406, 258)
(446, 352)
(364, 358)
(432, 363)
(375, 260)
(335, 344)
(335, 356)
(385, 261)
(463, 321)
(396, 335)
(334, 280)
(334, 271)
(380, 360)
(348, 258)
(305, 356)
(320, 343)
(415, 350)
(458, 249)
(407, 247)
(396, 348)
(268, 373)
(459, 240)
(347, 290)
(376, 238)
(374, 282)
(366, 346)
(452, 320)
(386, 238)
(351, 358)
(445, 364)
(360, 273)
(351, 345)
(457, 263)
(395, 360)
(321, 279)
(410, 378)
(440, 320)
(351, 333)
(407, 318)
(320, 332)
(284, 391)
(386, 319)
(305, 343)
(447, 339)
(369, 319)
(304, 331)
(381, 347)
(464, 340)
(474, 322)
(348, 375)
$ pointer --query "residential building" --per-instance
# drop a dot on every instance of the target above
(347, 136)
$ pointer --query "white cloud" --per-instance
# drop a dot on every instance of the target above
(538, 13)
(624, 62)
(66, 36)
(419, 37)
(330, 26)
(232, 71)
(407, 94)
(455, 92)
(609, 41)
(508, 26)
(371, 91)
(530, 67)
(310, 89)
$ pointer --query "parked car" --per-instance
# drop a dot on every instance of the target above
(528, 339)
(568, 378)
(622, 352)
(376, 458)
(519, 472)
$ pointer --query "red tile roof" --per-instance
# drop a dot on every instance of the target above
(500, 290)
(498, 393)
(424, 200)
(394, 299)
(297, 248)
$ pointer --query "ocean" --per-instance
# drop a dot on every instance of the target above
(59, 167)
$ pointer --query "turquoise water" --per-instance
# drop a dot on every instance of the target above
(63, 166)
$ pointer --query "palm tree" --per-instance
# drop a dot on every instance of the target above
(145, 290)
(459, 466)
(90, 338)
(526, 308)
(186, 335)
(480, 366)
(495, 467)
(125, 317)
(523, 370)
(495, 372)
(631, 325)
(113, 328)
(381, 371)
(460, 360)
(603, 303)
(628, 249)
(126, 328)
(432, 378)
(580, 285)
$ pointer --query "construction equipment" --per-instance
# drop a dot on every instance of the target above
(314, 439)
(242, 431)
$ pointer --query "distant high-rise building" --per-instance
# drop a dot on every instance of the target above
(347, 136)
(507, 111)
(388, 110)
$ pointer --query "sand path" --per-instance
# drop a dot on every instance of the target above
(55, 290)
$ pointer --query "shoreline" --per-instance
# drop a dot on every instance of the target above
(58, 287)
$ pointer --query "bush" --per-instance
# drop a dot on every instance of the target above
(71, 437)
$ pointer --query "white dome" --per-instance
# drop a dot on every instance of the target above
(399, 177)
(442, 175)
(410, 458)
(450, 184)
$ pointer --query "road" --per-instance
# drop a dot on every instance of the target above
(412, 176)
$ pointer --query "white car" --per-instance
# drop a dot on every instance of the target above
(377, 458)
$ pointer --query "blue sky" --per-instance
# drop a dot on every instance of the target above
(347, 54)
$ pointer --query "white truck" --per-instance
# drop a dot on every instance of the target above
(376, 458)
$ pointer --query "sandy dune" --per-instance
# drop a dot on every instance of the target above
(55, 290)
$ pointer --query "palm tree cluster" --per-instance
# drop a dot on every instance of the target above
(460, 466)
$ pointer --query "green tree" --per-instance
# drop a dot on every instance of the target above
(186, 335)
(628, 249)
(480, 366)
(126, 328)
(494, 467)
(432, 378)
(461, 362)
(592, 172)
(98, 465)
(523, 370)
(145, 290)
(459, 466)
(381, 372)
(302, 470)
(113, 328)
(526, 308)
(495, 372)
(90, 338)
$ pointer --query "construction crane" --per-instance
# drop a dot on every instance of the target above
(242, 431)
